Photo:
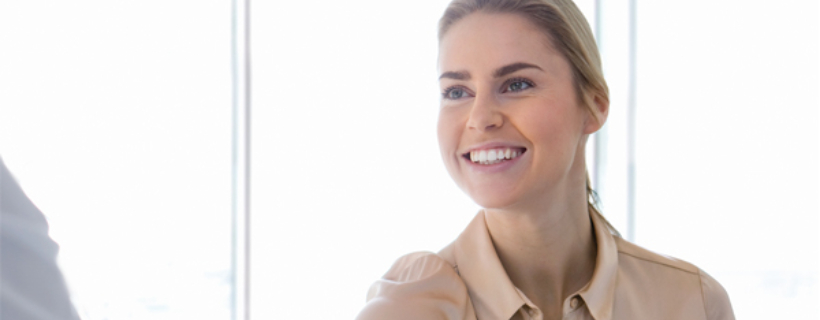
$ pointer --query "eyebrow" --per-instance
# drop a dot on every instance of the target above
(500, 72)
(510, 68)
(457, 75)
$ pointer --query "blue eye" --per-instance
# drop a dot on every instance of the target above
(454, 93)
(518, 85)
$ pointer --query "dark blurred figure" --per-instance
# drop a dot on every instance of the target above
(31, 285)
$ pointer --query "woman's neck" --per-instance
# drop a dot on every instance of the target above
(547, 250)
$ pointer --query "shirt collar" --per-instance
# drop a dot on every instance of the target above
(599, 295)
(492, 292)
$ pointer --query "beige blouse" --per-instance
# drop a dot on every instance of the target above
(466, 280)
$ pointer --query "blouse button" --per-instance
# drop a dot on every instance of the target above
(574, 302)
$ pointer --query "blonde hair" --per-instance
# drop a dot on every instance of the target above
(569, 33)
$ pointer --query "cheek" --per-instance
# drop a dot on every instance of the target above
(554, 130)
(449, 135)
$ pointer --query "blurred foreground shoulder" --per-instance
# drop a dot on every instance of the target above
(715, 299)
(420, 285)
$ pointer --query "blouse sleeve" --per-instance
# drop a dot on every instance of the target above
(420, 285)
(715, 299)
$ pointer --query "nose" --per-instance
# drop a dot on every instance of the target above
(485, 115)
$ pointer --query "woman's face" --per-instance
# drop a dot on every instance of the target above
(511, 128)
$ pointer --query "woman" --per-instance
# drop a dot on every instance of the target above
(522, 90)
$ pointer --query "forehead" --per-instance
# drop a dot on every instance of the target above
(481, 42)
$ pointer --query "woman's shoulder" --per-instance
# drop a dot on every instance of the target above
(658, 276)
(629, 252)
(420, 285)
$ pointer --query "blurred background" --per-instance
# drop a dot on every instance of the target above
(116, 118)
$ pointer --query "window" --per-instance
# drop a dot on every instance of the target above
(115, 119)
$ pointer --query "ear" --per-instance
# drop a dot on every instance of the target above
(598, 112)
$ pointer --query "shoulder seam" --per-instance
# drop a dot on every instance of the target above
(656, 262)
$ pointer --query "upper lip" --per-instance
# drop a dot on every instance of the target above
(491, 145)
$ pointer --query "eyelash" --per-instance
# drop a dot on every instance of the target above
(449, 89)
(514, 80)
(507, 83)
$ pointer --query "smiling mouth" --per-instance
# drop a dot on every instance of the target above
(493, 156)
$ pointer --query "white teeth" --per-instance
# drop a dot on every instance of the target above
(487, 157)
